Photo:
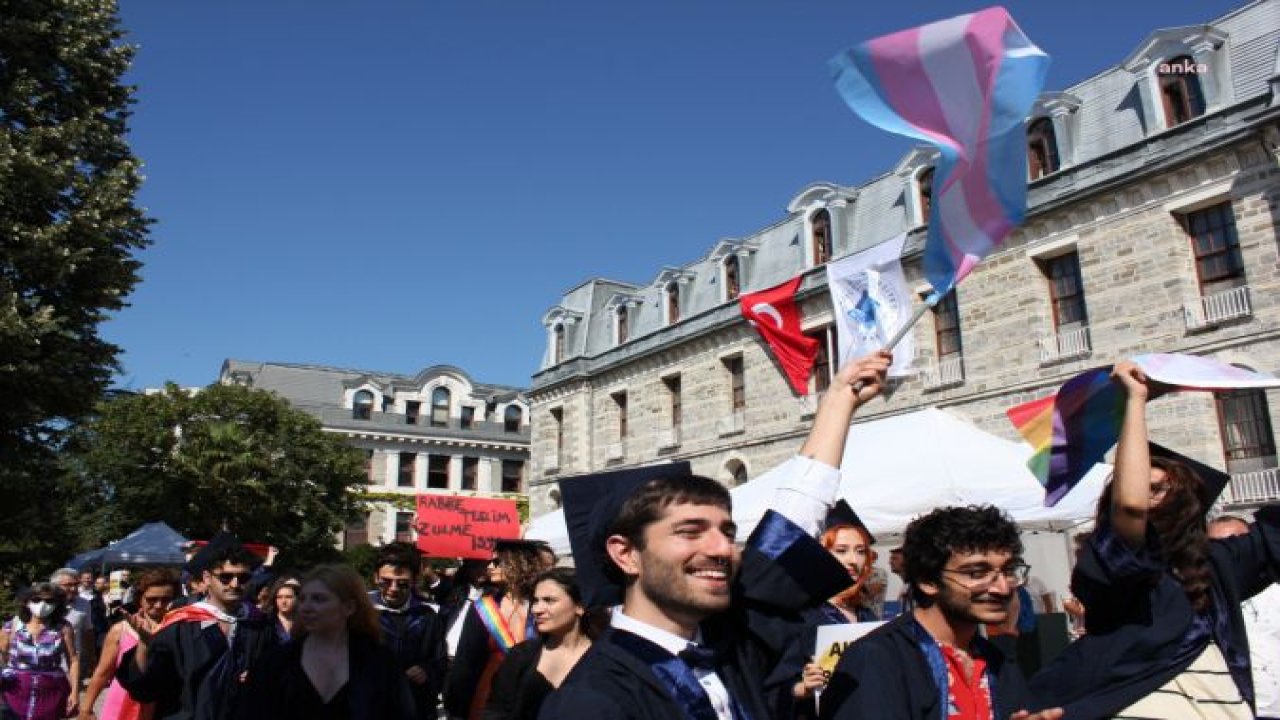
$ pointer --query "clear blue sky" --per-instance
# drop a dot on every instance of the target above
(389, 185)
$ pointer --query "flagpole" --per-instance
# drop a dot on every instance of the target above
(902, 331)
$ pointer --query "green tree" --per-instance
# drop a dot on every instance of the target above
(69, 229)
(227, 457)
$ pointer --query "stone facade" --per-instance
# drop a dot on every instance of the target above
(433, 432)
(1131, 181)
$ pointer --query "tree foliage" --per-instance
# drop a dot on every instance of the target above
(69, 229)
(227, 457)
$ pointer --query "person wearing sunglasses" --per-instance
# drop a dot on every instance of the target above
(410, 627)
(963, 565)
(196, 663)
(156, 591)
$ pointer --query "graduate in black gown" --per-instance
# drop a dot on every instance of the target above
(701, 623)
(194, 666)
(1165, 635)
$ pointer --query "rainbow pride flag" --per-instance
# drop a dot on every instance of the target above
(966, 86)
(1073, 429)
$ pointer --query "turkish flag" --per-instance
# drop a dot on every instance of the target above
(774, 314)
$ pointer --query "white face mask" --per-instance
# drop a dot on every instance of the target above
(40, 609)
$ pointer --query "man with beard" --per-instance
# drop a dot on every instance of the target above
(194, 666)
(410, 627)
(701, 622)
(963, 565)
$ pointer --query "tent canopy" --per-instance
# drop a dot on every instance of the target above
(900, 467)
(154, 543)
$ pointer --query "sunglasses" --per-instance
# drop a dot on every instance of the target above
(387, 583)
(226, 577)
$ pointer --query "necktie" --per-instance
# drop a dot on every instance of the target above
(698, 657)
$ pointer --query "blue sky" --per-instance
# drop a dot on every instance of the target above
(393, 184)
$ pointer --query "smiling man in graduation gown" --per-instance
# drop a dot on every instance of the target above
(701, 623)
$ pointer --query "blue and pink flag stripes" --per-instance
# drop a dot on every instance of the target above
(964, 85)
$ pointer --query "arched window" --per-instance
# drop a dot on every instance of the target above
(924, 191)
(557, 344)
(1180, 90)
(737, 472)
(732, 278)
(440, 398)
(1042, 149)
(620, 323)
(511, 419)
(821, 237)
(673, 303)
(362, 405)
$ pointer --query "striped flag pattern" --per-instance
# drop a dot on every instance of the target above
(964, 85)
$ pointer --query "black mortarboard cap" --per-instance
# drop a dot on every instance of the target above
(217, 545)
(591, 504)
(500, 545)
(1213, 480)
(842, 514)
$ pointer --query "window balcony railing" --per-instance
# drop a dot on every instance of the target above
(944, 373)
(1065, 345)
(733, 424)
(1218, 308)
(668, 438)
(1251, 488)
(615, 451)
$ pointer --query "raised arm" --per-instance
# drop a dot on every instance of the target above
(837, 406)
(1131, 487)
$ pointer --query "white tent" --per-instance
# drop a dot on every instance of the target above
(899, 467)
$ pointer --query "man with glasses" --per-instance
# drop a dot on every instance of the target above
(410, 627)
(194, 666)
(963, 566)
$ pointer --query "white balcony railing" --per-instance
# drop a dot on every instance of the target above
(1065, 345)
(615, 451)
(668, 438)
(944, 372)
(1260, 486)
(1218, 307)
(734, 423)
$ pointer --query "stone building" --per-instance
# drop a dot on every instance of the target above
(436, 431)
(1154, 191)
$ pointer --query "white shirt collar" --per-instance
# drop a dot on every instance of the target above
(670, 642)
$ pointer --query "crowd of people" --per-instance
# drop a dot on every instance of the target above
(666, 614)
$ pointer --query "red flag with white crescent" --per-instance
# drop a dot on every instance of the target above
(775, 316)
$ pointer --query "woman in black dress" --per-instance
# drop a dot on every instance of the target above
(534, 668)
(334, 668)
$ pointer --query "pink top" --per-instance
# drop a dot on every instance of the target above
(118, 704)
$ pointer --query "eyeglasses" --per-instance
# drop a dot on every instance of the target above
(979, 577)
(226, 577)
(388, 583)
(1158, 489)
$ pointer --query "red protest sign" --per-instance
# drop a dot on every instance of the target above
(464, 527)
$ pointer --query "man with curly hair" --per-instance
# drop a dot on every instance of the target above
(962, 566)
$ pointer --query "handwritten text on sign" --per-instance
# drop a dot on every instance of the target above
(465, 527)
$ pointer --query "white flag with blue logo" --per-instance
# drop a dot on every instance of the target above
(871, 302)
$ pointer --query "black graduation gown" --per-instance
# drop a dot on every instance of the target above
(376, 688)
(799, 653)
(469, 661)
(1142, 630)
(416, 637)
(187, 676)
(784, 571)
(886, 676)
(518, 689)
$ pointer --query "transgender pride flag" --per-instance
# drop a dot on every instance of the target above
(965, 85)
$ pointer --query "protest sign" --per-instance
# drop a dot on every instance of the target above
(464, 527)
(833, 640)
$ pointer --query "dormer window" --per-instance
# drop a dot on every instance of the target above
(621, 327)
(440, 399)
(732, 278)
(820, 236)
(673, 303)
(1180, 90)
(1042, 149)
(362, 405)
(924, 191)
(557, 344)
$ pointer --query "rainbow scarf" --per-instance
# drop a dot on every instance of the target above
(964, 85)
(487, 608)
(1073, 429)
